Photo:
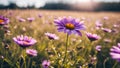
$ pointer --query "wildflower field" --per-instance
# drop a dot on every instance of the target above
(59, 39)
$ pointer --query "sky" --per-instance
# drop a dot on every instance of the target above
(41, 3)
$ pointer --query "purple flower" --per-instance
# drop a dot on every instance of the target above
(115, 31)
(98, 48)
(40, 15)
(92, 37)
(45, 64)
(115, 25)
(24, 41)
(6, 27)
(93, 59)
(115, 52)
(3, 20)
(10, 13)
(107, 40)
(98, 24)
(106, 30)
(105, 18)
(69, 25)
(31, 52)
(52, 36)
(30, 19)
(21, 20)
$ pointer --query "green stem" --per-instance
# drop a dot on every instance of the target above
(64, 60)
(114, 66)
(29, 60)
(56, 53)
(105, 62)
(25, 62)
(24, 57)
(53, 48)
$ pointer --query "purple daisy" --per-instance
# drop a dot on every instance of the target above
(115, 52)
(31, 52)
(6, 27)
(40, 15)
(69, 25)
(98, 48)
(51, 36)
(105, 18)
(107, 40)
(3, 20)
(21, 20)
(106, 30)
(24, 41)
(115, 31)
(98, 24)
(30, 19)
(45, 64)
(92, 37)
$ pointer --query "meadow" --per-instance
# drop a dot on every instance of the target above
(98, 47)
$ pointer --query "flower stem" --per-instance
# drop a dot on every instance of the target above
(24, 57)
(114, 66)
(29, 60)
(104, 63)
(64, 60)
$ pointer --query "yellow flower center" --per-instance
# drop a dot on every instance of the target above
(69, 26)
(1, 21)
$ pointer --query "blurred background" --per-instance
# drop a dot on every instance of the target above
(77, 5)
